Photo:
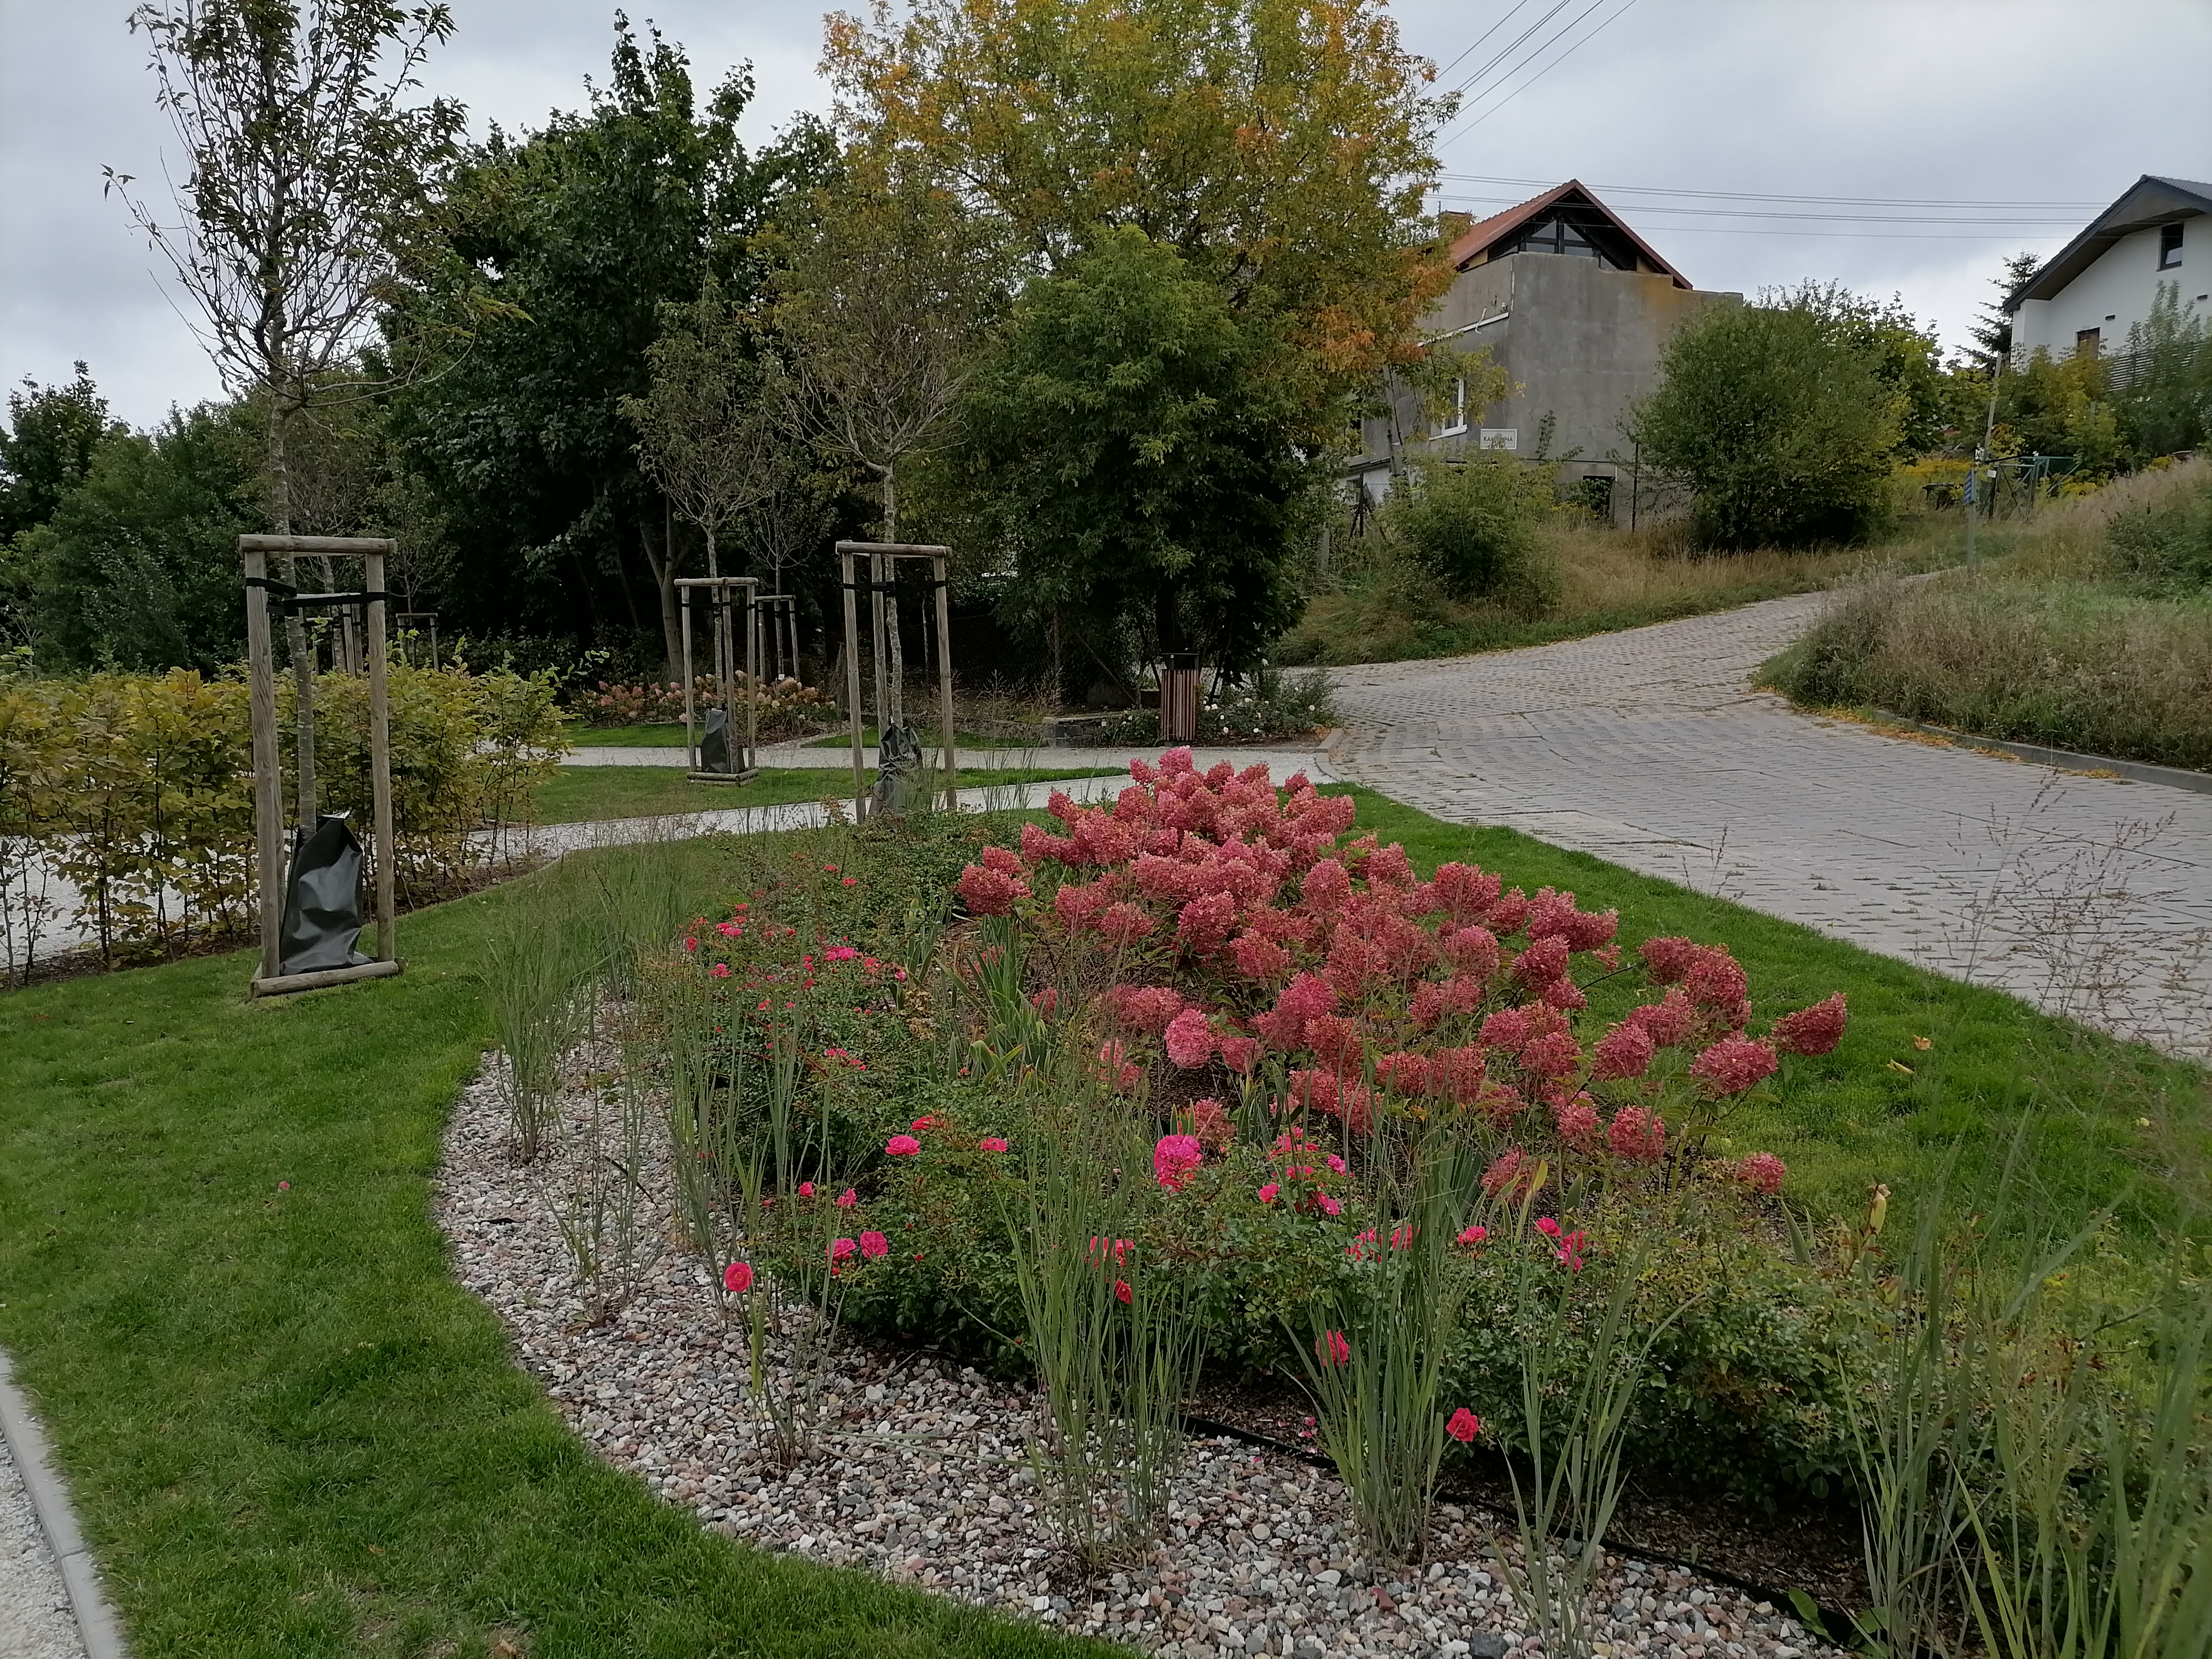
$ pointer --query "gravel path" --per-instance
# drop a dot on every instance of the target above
(2089, 897)
(36, 1620)
(923, 1479)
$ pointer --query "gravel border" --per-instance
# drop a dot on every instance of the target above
(924, 1481)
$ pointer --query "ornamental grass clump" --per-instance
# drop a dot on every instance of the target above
(1112, 1332)
(1375, 1342)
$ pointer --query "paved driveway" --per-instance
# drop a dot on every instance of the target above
(2089, 897)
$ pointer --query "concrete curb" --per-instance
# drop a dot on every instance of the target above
(27, 1445)
(2066, 760)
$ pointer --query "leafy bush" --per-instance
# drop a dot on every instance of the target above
(788, 710)
(1472, 520)
(1269, 704)
(2168, 548)
(138, 790)
(1781, 417)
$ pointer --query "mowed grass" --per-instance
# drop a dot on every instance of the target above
(2114, 1125)
(288, 1431)
(586, 794)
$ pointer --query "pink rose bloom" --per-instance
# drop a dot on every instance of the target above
(1473, 1235)
(1464, 1426)
(1340, 1351)
(1762, 1172)
(1569, 1253)
(1328, 1206)
(1269, 1193)
(719, 971)
(921, 1124)
(1121, 1292)
(847, 1199)
(1814, 1030)
(1175, 1158)
(874, 1244)
(738, 1278)
(902, 1145)
(1734, 1064)
(1190, 1039)
(806, 1189)
(1548, 1226)
(1337, 1164)
(990, 1144)
(840, 1249)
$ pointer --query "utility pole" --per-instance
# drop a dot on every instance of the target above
(1981, 455)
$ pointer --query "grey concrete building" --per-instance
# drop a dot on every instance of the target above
(1574, 307)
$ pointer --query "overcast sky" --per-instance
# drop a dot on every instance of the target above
(1758, 115)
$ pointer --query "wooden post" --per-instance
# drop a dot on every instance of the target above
(878, 567)
(949, 749)
(268, 764)
(852, 685)
(690, 726)
(752, 676)
(379, 760)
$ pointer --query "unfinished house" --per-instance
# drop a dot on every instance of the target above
(1574, 307)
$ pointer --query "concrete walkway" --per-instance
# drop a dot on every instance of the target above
(805, 756)
(2090, 897)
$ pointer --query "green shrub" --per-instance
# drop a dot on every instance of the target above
(1472, 522)
(1781, 419)
(2168, 548)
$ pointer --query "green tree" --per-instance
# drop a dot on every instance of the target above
(580, 234)
(2164, 399)
(1782, 420)
(51, 436)
(137, 568)
(1142, 446)
(2060, 406)
(1992, 331)
(1472, 519)
(1280, 147)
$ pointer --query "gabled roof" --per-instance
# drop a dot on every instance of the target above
(1481, 236)
(2150, 200)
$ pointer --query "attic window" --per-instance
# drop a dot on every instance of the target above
(2169, 246)
(1562, 234)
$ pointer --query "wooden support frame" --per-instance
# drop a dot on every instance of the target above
(271, 854)
(732, 604)
(882, 561)
(780, 632)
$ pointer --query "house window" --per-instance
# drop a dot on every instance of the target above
(1455, 422)
(2169, 246)
(2087, 340)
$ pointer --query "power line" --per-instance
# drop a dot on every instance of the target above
(1755, 196)
(1468, 126)
(1997, 222)
(1510, 46)
(1479, 39)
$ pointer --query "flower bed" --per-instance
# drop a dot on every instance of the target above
(785, 708)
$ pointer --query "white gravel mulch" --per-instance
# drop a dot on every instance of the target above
(923, 1478)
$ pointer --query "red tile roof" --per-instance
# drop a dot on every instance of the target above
(1484, 233)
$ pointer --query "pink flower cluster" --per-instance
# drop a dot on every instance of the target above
(1175, 1158)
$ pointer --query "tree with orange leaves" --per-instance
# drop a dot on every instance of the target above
(1278, 147)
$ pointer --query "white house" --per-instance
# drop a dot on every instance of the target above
(2083, 299)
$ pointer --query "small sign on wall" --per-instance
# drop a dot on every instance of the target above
(1501, 437)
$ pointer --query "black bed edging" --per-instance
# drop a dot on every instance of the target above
(1830, 1619)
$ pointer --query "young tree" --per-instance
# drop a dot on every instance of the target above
(1992, 331)
(706, 431)
(2164, 397)
(1280, 147)
(310, 176)
(1147, 453)
(1780, 418)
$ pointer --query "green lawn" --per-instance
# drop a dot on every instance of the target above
(289, 1433)
(2113, 1120)
(627, 737)
(585, 795)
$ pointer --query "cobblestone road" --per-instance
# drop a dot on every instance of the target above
(2089, 897)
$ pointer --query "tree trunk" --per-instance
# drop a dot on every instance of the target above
(896, 651)
(295, 632)
(664, 581)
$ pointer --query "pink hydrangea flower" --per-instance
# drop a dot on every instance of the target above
(1190, 1039)
(988, 892)
(1638, 1136)
(1175, 1158)
(738, 1278)
(1209, 1120)
(1626, 1051)
(874, 1245)
(1116, 1069)
(1762, 1172)
(902, 1145)
(1464, 1426)
(1734, 1064)
(1240, 1054)
(1513, 1176)
(1814, 1030)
